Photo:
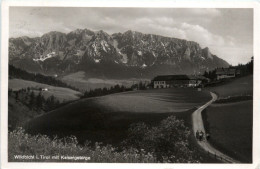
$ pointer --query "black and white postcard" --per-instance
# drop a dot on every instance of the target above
(157, 85)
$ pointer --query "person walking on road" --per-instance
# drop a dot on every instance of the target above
(207, 136)
(201, 135)
(197, 134)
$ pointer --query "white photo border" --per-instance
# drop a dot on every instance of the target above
(130, 3)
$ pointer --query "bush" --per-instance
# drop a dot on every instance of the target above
(20, 143)
(168, 141)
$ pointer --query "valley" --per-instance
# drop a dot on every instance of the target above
(81, 81)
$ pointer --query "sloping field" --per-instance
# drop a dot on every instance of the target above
(155, 101)
(241, 86)
(63, 94)
(230, 126)
(109, 116)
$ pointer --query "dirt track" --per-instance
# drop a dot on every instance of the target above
(197, 124)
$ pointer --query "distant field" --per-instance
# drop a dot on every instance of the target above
(63, 94)
(230, 126)
(230, 123)
(240, 86)
(107, 118)
(81, 81)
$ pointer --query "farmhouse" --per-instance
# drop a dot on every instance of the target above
(44, 89)
(168, 81)
(223, 73)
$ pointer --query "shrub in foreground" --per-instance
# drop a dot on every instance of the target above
(168, 141)
(43, 149)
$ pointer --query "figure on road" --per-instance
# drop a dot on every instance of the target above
(197, 134)
(201, 134)
(207, 136)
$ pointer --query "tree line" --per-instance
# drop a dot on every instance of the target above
(34, 100)
(114, 89)
(36, 77)
(245, 69)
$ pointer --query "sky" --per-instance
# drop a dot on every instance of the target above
(228, 32)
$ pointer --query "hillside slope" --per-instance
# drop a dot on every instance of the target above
(111, 115)
(62, 94)
(238, 87)
(230, 123)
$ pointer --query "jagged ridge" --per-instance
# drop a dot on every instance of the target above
(83, 49)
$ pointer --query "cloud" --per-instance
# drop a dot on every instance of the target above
(214, 28)
(209, 12)
(202, 35)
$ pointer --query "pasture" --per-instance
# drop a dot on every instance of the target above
(62, 94)
(238, 87)
(230, 126)
(107, 118)
(229, 120)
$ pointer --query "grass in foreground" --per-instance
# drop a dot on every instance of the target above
(230, 126)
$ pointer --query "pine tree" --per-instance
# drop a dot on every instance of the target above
(50, 103)
(32, 100)
(16, 95)
(39, 101)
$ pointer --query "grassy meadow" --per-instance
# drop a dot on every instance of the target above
(230, 126)
(230, 119)
(107, 118)
(238, 87)
(62, 94)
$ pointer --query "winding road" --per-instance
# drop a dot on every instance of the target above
(197, 124)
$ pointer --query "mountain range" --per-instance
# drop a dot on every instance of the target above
(120, 55)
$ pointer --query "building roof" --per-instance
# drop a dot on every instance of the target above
(223, 71)
(178, 77)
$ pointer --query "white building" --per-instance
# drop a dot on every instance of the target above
(44, 89)
(168, 81)
(224, 73)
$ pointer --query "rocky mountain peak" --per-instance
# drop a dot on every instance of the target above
(101, 35)
(207, 53)
(77, 31)
(53, 33)
(147, 52)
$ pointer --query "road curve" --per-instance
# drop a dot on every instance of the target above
(197, 124)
